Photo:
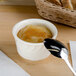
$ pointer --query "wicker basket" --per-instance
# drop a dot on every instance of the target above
(56, 13)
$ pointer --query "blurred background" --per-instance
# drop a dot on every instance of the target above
(17, 2)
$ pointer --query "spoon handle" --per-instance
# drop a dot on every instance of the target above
(69, 65)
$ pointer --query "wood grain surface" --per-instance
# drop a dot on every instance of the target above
(51, 66)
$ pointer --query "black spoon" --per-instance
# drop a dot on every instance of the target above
(57, 49)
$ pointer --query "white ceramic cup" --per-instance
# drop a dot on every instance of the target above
(32, 51)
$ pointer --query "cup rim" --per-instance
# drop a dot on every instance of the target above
(29, 43)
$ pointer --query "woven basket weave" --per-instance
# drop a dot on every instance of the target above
(56, 13)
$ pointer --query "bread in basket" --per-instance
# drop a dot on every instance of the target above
(57, 13)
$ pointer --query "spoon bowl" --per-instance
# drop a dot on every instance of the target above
(55, 47)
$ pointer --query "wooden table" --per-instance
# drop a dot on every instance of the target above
(51, 66)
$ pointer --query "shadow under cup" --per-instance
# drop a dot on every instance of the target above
(32, 51)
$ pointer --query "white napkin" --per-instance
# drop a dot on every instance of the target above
(73, 53)
(9, 67)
